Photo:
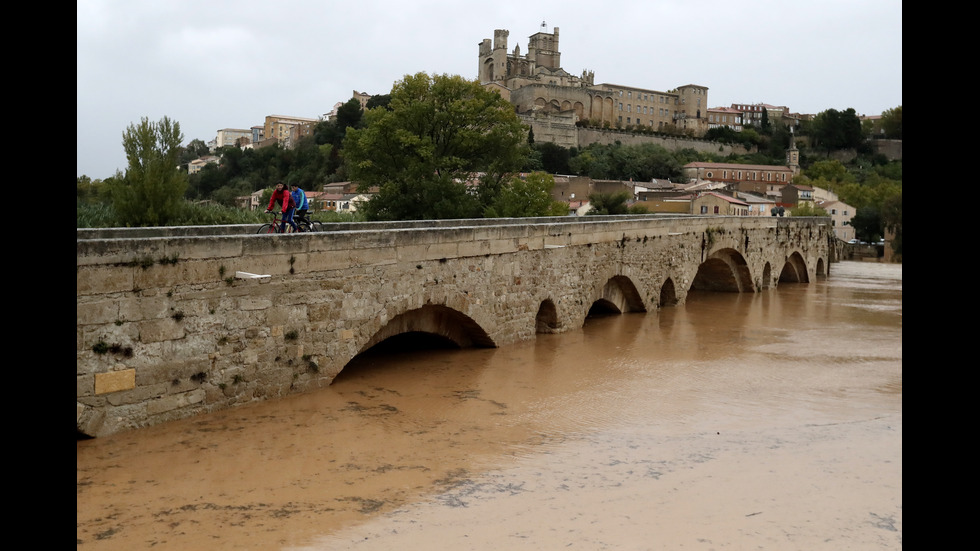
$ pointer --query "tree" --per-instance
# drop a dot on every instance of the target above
(832, 170)
(891, 123)
(437, 134)
(867, 223)
(609, 203)
(891, 217)
(151, 191)
(523, 197)
(807, 209)
(381, 100)
(832, 130)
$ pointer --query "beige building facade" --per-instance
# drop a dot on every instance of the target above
(840, 218)
(535, 83)
(287, 130)
(237, 137)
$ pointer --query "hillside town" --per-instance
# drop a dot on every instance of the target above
(573, 111)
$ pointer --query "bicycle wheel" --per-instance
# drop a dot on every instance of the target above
(305, 226)
(268, 228)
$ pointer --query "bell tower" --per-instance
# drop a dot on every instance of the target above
(793, 154)
(493, 61)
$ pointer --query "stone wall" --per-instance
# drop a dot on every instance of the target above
(173, 326)
(588, 136)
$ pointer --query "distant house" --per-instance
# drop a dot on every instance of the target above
(250, 201)
(579, 207)
(758, 205)
(721, 117)
(673, 202)
(196, 165)
(718, 203)
(840, 218)
(797, 195)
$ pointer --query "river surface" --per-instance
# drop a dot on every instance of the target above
(770, 420)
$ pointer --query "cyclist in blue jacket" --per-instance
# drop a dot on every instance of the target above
(302, 205)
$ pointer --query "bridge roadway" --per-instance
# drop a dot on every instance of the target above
(173, 322)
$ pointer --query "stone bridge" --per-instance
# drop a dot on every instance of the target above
(174, 322)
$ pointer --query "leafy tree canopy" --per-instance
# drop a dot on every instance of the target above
(891, 123)
(832, 130)
(151, 191)
(524, 197)
(609, 203)
(437, 133)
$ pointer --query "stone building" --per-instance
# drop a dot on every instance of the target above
(719, 203)
(287, 130)
(840, 218)
(758, 179)
(234, 136)
(554, 100)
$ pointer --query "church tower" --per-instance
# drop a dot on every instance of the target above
(793, 154)
(493, 61)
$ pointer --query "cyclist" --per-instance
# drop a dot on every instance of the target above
(302, 205)
(281, 195)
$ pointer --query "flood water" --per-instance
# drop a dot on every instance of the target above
(757, 421)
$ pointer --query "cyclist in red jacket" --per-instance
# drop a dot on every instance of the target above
(281, 195)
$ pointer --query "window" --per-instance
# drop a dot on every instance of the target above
(716, 209)
(704, 209)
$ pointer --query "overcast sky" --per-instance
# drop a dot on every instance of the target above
(227, 64)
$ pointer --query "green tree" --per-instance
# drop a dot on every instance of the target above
(195, 149)
(381, 100)
(438, 133)
(868, 225)
(891, 217)
(765, 124)
(831, 170)
(806, 209)
(152, 189)
(891, 123)
(530, 196)
(832, 130)
(609, 203)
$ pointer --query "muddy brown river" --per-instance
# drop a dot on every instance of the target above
(757, 421)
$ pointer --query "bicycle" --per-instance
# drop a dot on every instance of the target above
(276, 225)
(315, 225)
(305, 224)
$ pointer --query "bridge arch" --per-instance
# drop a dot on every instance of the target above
(546, 320)
(794, 270)
(437, 320)
(619, 296)
(668, 297)
(726, 271)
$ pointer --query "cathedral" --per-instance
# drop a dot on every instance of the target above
(550, 98)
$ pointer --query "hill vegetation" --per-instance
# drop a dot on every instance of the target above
(419, 143)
